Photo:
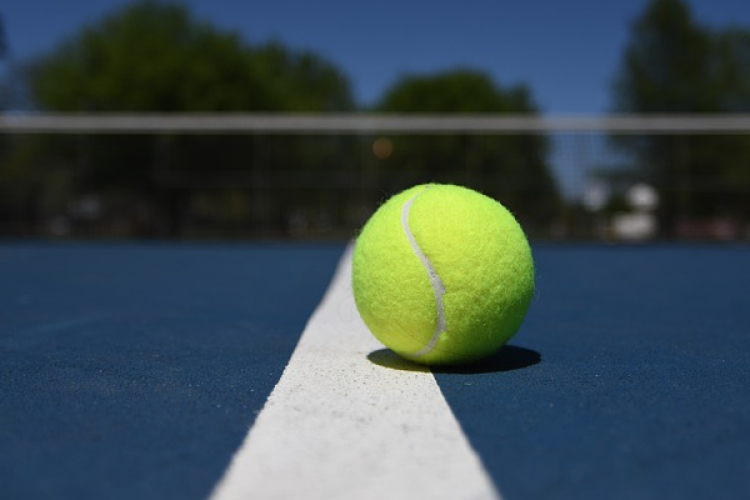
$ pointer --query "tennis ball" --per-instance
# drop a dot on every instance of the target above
(442, 274)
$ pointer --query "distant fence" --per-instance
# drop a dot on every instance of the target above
(355, 123)
(310, 176)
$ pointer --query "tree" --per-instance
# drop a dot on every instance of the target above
(511, 168)
(731, 67)
(155, 57)
(672, 64)
(664, 67)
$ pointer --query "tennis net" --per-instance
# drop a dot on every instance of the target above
(313, 176)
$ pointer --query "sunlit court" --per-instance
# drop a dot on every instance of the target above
(236, 264)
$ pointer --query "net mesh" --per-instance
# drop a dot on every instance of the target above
(626, 178)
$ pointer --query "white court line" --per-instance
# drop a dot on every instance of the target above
(338, 426)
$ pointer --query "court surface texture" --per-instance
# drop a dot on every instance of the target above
(228, 371)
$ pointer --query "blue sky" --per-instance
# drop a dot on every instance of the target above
(566, 51)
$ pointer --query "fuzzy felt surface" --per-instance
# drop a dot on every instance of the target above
(481, 255)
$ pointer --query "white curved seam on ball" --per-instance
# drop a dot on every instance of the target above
(437, 284)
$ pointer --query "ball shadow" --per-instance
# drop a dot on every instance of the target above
(508, 358)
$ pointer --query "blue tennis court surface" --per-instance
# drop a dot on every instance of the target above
(643, 389)
(135, 371)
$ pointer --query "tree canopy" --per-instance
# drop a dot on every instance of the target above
(665, 64)
(512, 168)
(154, 56)
(456, 91)
(673, 64)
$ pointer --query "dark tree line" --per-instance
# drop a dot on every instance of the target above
(511, 168)
(673, 64)
(156, 57)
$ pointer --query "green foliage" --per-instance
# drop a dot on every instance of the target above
(302, 81)
(5, 94)
(459, 91)
(672, 64)
(156, 57)
(511, 168)
(731, 69)
(664, 67)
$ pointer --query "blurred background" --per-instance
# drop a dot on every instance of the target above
(658, 147)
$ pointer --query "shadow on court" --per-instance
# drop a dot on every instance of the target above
(508, 358)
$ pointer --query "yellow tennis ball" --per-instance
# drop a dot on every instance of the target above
(442, 274)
